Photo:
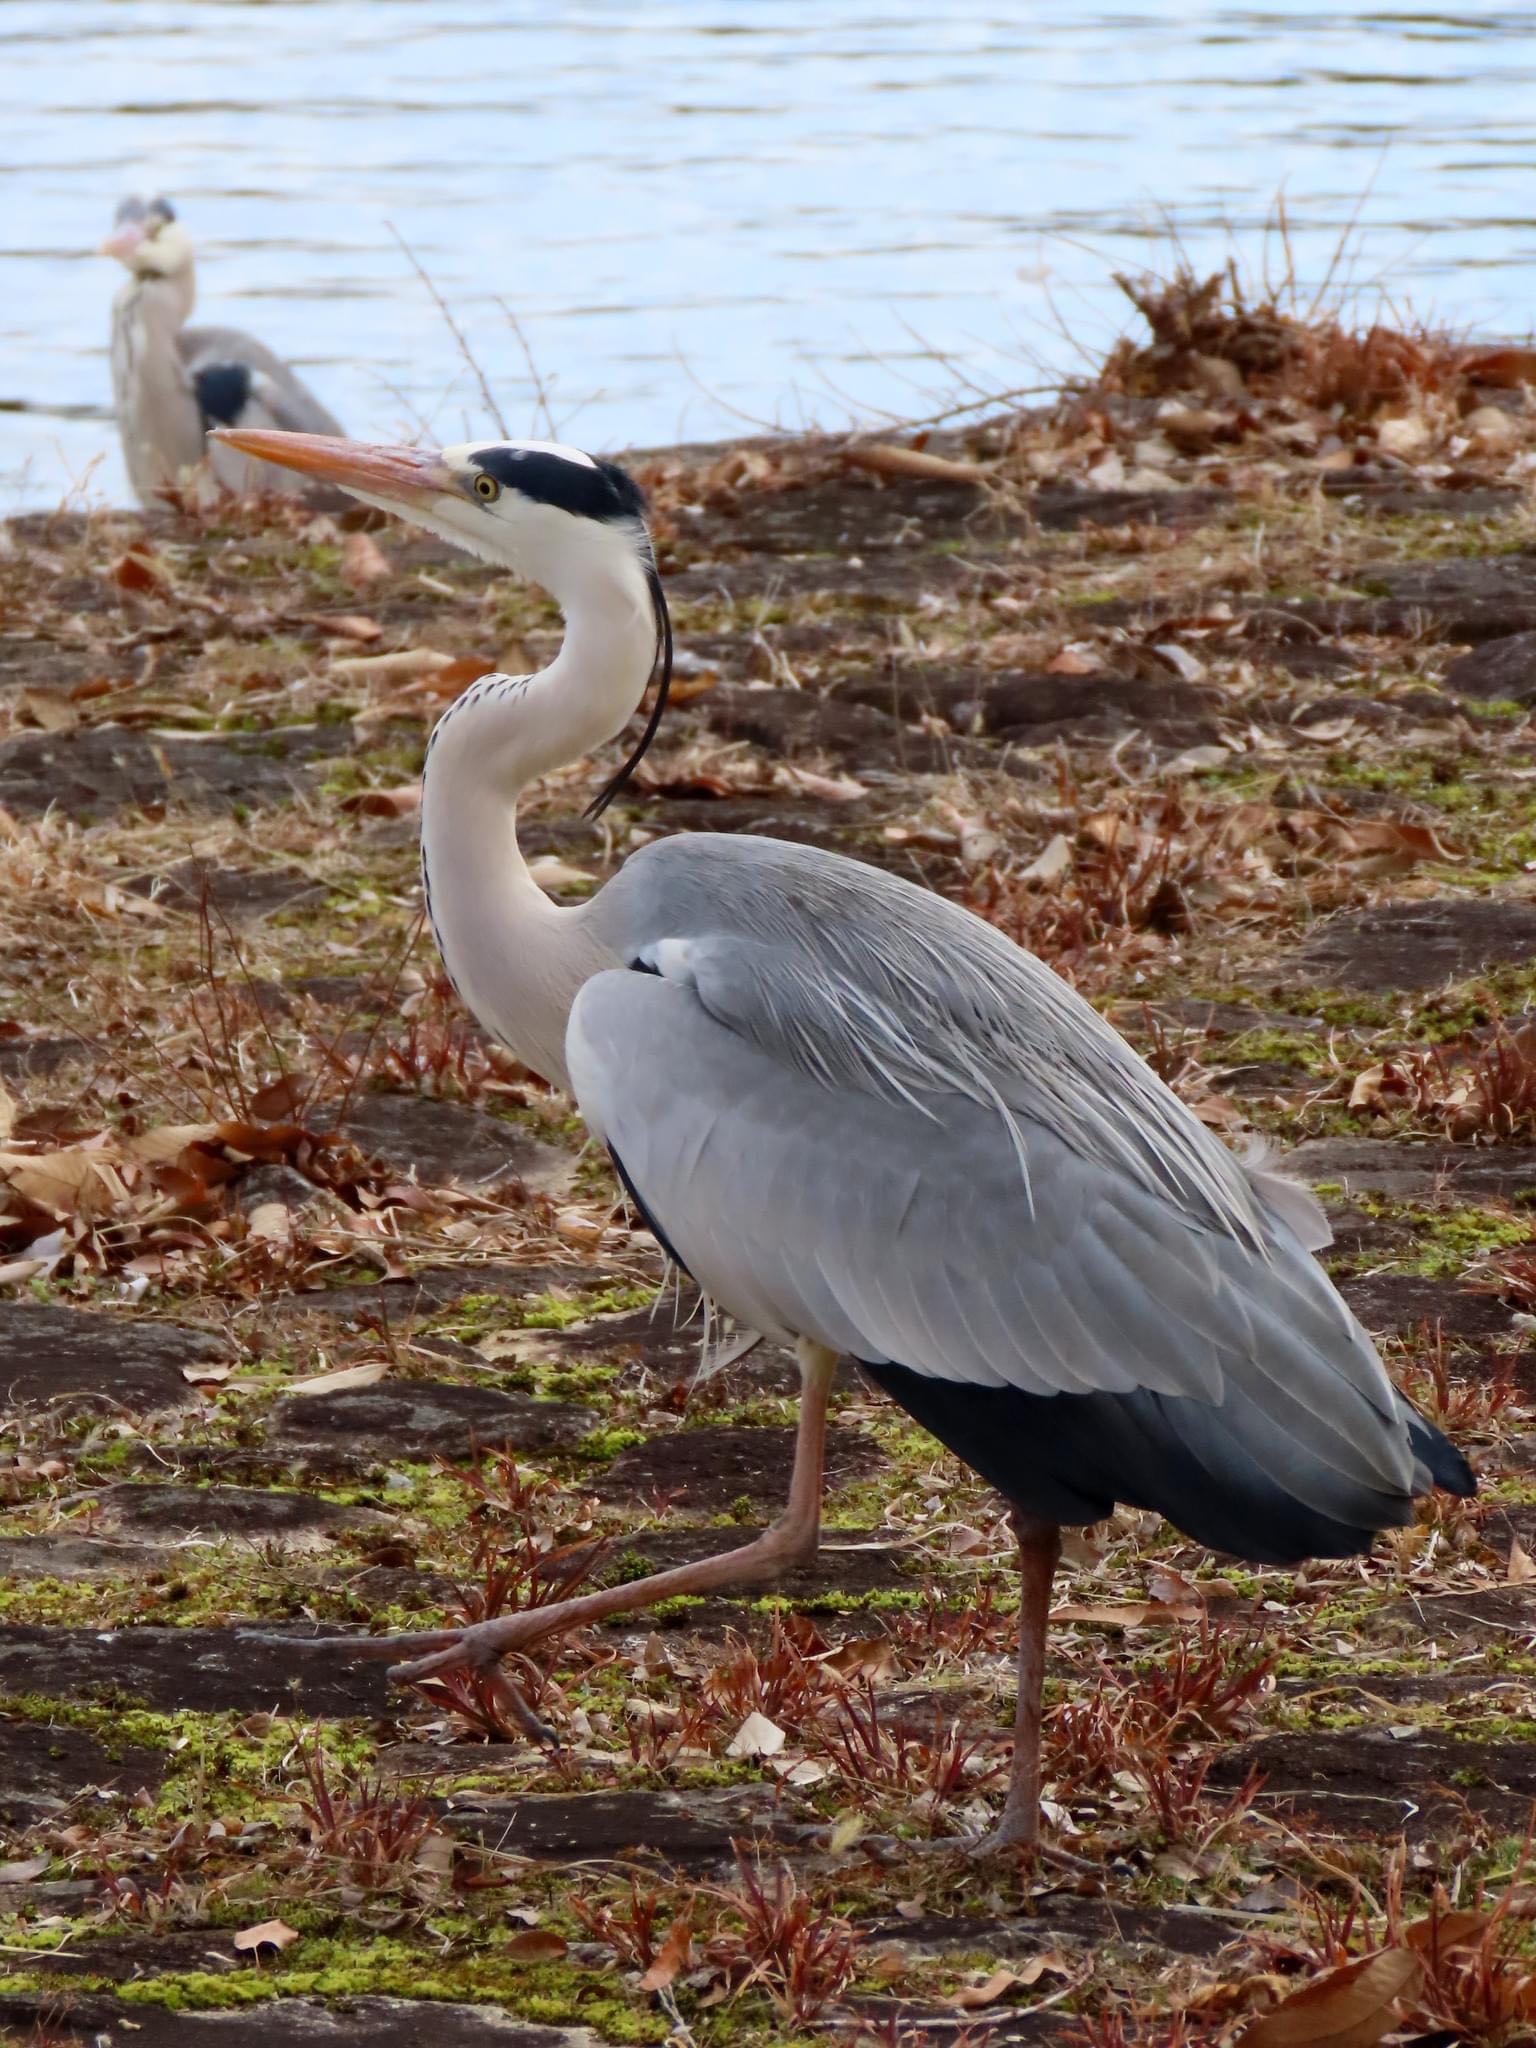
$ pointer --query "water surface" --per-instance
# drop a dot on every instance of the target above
(720, 211)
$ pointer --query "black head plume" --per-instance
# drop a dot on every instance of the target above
(661, 673)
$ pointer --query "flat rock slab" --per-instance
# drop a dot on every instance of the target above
(788, 723)
(851, 1561)
(210, 1670)
(691, 1827)
(213, 1514)
(366, 1426)
(1389, 1303)
(704, 1471)
(103, 769)
(44, 1766)
(1493, 1614)
(436, 1287)
(1416, 945)
(71, 1358)
(1470, 597)
(360, 2023)
(1498, 670)
(443, 1142)
(1363, 1783)
(232, 895)
(1386, 1166)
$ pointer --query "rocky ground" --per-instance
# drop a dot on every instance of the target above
(318, 1313)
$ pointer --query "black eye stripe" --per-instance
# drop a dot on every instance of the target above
(599, 490)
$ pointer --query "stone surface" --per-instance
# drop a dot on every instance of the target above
(1364, 1782)
(207, 1669)
(1416, 945)
(1503, 668)
(1406, 1172)
(233, 895)
(212, 1514)
(705, 1471)
(680, 1827)
(414, 1419)
(441, 1142)
(44, 1766)
(358, 2023)
(101, 769)
(74, 1358)
(1388, 1303)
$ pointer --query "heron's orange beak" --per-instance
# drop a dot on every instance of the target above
(122, 242)
(407, 477)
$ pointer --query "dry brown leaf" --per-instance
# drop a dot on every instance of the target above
(364, 562)
(872, 1657)
(208, 1372)
(52, 713)
(997, 1986)
(8, 1109)
(674, 1955)
(138, 570)
(272, 1222)
(536, 1945)
(550, 872)
(1072, 661)
(24, 1870)
(280, 1098)
(884, 460)
(1437, 1933)
(399, 667)
(345, 626)
(341, 1381)
(267, 1934)
(757, 1736)
(1126, 1613)
(1349, 2008)
(1521, 1568)
(404, 801)
(74, 1181)
(1051, 863)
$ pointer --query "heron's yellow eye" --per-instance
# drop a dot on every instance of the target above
(486, 487)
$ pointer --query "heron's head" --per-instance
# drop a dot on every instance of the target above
(561, 518)
(548, 512)
(148, 239)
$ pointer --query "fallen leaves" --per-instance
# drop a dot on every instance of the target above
(1483, 1088)
(882, 458)
(275, 1934)
(1352, 2007)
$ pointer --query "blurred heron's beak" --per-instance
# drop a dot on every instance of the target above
(122, 242)
(407, 477)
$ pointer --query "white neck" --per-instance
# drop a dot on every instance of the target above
(163, 299)
(517, 959)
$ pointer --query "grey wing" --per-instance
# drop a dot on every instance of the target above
(904, 1232)
(239, 382)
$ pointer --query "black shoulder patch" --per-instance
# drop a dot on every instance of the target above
(600, 491)
(223, 392)
(163, 207)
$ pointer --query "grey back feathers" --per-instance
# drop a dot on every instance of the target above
(858, 1113)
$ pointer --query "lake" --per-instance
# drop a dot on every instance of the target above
(711, 216)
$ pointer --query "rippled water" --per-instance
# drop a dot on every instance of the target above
(719, 210)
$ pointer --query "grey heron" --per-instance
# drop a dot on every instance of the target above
(171, 382)
(869, 1125)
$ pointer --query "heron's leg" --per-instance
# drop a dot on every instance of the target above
(791, 1540)
(1039, 1552)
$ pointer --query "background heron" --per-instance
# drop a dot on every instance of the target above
(171, 382)
(868, 1124)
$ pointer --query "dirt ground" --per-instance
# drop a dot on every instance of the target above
(318, 1314)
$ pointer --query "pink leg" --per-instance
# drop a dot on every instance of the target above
(792, 1540)
(1039, 1552)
